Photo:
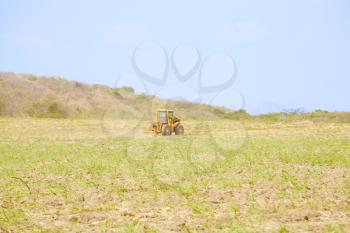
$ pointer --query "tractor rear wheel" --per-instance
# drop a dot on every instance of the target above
(166, 130)
(179, 130)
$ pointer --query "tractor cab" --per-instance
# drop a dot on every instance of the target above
(162, 116)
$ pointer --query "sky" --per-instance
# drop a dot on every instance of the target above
(258, 55)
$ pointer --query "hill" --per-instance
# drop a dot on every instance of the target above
(23, 95)
(28, 95)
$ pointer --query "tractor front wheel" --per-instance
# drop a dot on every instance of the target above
(179, 130)
(166, 130)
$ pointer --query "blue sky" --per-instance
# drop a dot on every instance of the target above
(288, 54)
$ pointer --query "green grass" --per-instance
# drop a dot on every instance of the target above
(74, 175)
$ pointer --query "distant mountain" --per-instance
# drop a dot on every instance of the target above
(272, 107)
(30, 95)
(269, 107)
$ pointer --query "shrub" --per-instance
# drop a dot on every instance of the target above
(237, 115)
(35, 110)
(320, 111)
(32, 77)
(2, 106)
(141, 97)
(48, 107)
(78, 110)
(275, 117)
(78, 85)
(128, 89)
(54, 111)
(116, 93)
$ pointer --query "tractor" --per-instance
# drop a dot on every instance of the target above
(167, 123)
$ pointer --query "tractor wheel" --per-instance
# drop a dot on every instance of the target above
(166, 130)
(179, 130)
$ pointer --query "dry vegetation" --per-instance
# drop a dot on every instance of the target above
(223, 176)
(54, 97)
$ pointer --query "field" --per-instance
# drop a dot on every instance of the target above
(225, 176)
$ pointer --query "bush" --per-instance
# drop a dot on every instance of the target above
(32, 77)
(142, 97)
(116, 93)
(49, 107)
(78, 110)
(2, 106)
(128, 89)
(275, 117)
(36, 110)
(78, 85)
(237, 115)
(53, 110)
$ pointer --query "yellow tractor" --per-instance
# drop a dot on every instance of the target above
(167, 123)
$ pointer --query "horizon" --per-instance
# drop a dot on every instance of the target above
(286, 55)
